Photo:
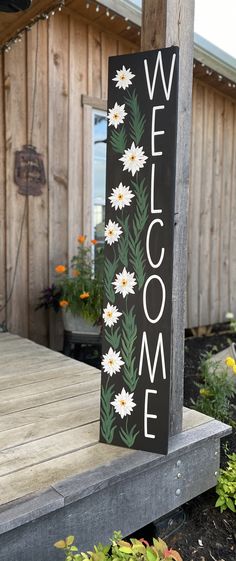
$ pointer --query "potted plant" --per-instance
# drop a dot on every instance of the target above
(78, 289)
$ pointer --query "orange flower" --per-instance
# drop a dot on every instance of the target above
(75, 273)
(94, 242)
(84, 295)
(60, 268)
(81, 239)
(64, 303)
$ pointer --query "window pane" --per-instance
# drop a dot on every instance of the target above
(99, 174)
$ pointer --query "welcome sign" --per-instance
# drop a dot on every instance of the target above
(140, 192)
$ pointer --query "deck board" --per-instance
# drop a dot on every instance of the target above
(49, 412)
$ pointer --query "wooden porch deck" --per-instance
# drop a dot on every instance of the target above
(57, 479)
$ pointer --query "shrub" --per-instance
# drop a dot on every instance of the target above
(226, 486)
(120, 550)
(216, 391)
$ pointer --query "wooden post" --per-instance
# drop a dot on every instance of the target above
(166, 23)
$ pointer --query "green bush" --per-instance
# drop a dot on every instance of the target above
(226, 486)
(216, 391)
(120, 550)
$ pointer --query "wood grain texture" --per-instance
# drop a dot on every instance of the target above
(37, 109)
(2, 199)
(58, 154)
(174, 26)
(77, 88)
(16, 204)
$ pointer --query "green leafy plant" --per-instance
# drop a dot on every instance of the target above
(120, 550)
(226, 486)
(229, 316)
(215, 391)
(108, 425)
(81, 284)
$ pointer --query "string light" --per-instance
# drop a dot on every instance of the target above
(97, 8)
(18, 37)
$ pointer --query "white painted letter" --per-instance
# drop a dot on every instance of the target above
(153, 265)
(159, 347)
(166, 89)
(145, 298)
(148, 415)
(153, 210)
(154, 132)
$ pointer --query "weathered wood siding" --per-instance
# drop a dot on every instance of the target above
(42, 80)
(212, 207)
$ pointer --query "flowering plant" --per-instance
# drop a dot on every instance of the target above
(120, 550)
(82, 284)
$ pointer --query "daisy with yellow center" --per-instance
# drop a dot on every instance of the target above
(123, 403)
(116, 115)
(133, 159)
(124, 283)
(121, 196)
(112, 232)
(112, 362)
(123, 78)
(111, 315)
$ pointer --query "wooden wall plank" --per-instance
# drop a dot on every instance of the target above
(225, 208)
(37, 83)
(16, 204)
(77, 88)
(94, 62)
(232, 245)
(109, 48)
(87, 170)
(214, 272)
(2, 200)
(194, 205)
(58, 154)
(205, 210)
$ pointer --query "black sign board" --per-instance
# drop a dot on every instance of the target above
(140, 192)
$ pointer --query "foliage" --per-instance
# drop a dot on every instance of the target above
(78, 289)
(226, 486)
(119, 140)
(232, 321)
(215, 391)
(50, 298)
(128, 435)
(113, 337)
(137, 120)
(135, 550)
(108, 426)
(129, 336)
(109, 272)
(139, 221)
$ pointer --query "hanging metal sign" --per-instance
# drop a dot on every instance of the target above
(140, 194)
(29, 172)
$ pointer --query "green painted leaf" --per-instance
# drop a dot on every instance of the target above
(137, 120)
(118, 140)
(108, 425)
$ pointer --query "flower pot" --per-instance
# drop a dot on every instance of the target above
(78, 324)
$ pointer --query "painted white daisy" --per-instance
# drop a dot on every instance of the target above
(133, 158)
(116, 115)
(124, 283)
(123, 403)
(112, 362)
(112, 232)
(111, 315)
(121, 196)
(123, 78)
